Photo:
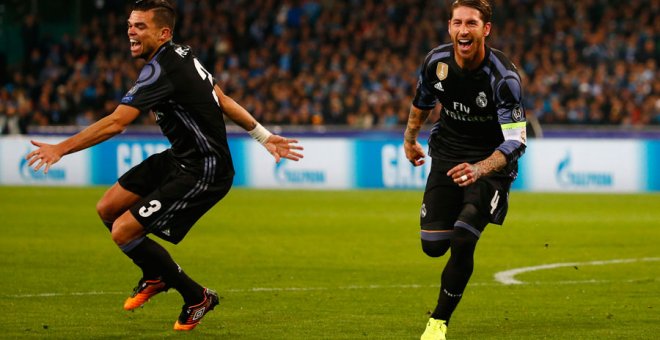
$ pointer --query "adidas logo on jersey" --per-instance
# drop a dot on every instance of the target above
(438, 86)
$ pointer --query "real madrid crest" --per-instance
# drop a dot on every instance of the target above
(442, 70)
(482, 101)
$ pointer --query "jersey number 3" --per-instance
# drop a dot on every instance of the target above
(154, 206)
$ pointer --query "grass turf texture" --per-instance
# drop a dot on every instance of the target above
(334, 265)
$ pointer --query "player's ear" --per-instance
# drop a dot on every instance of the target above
(165, 33)
(487, 29)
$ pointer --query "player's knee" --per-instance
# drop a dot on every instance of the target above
(121, 237)
(118, 235)
(128, 244)
(126, 229)
(105, 210)
(473, 218)
(435, 248)
(463, 241)
(464, 236)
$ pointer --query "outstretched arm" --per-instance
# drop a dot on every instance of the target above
(411, 146)
(108, 126)
(276, 145)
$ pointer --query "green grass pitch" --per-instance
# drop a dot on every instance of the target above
(336, 265)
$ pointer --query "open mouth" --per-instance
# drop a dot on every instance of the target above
(465, 44)
(135, 45)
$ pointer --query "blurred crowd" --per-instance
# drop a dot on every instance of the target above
(353, 62)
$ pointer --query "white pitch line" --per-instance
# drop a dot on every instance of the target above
(307, 289)
(303, 289)
(241, 290)
(62, 294)
(507, 277)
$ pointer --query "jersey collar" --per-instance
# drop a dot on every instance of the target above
(463, 72)
(162, 48)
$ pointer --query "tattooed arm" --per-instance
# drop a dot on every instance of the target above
(465, 173)
(413, 149)
(494, 162)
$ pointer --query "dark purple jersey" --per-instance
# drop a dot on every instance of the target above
(179, 92)
(482, 109)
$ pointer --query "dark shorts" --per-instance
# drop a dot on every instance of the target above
(444, 201)
(173, 198)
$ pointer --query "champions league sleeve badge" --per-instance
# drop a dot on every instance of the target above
(517, 114)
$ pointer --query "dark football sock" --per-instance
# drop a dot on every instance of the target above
(108, 225)
(153, 256)
(456, 274)
(148, 273)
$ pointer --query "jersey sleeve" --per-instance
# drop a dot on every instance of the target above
(511, 116)
(150, 88)
(424, 97)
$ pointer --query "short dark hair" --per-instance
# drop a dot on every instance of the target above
(164, 12)
(480, 5)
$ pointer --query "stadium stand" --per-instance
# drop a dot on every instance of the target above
(351, 63)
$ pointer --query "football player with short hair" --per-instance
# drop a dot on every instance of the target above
(168, 192)
(474, 147)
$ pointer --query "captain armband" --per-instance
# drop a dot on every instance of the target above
(515, 140)
(260, 134)
(515, 131)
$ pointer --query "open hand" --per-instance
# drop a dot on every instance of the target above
(46, 155)
(279, 147)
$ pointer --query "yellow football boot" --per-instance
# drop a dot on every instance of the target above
(435, 330)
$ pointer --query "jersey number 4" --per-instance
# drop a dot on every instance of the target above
(494, 201)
